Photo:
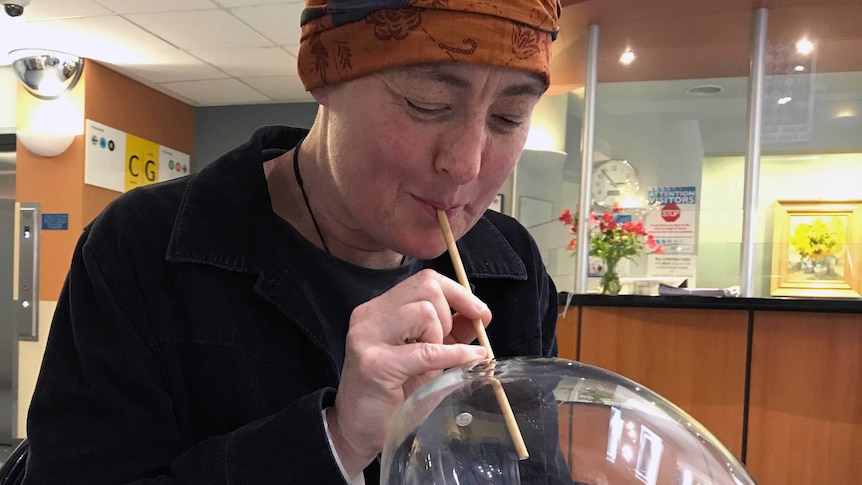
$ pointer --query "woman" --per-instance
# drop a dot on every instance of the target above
(261, 321)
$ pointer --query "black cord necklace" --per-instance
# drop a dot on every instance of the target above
(304, 195)
(305, 198)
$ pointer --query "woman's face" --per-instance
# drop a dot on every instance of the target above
(408, 141)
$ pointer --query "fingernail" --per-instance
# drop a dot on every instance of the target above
(479, 351)
(481, 306)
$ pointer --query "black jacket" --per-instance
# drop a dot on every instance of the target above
(183, 349)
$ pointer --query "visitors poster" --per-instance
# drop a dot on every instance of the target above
(673, 222)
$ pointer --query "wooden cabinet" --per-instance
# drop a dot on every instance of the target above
(805, 412)
(782, 389)
(694, 360)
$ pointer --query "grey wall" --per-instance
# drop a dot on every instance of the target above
(222, 128)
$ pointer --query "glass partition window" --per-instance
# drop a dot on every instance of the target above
(672, 104)
(809, 217)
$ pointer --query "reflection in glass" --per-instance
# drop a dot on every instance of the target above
(581, 425)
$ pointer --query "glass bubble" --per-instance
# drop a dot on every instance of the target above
(581, 425)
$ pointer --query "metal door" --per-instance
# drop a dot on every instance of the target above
(8, 314)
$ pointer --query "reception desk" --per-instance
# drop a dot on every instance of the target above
(779, 382)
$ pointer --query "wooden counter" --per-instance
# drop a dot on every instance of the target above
(779, 382)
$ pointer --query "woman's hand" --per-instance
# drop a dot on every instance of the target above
(397, 342)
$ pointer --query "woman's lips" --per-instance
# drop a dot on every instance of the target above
(432, 206)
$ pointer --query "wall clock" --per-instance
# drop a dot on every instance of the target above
(613, 182)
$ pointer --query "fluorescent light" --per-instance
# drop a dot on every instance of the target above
(785, 100)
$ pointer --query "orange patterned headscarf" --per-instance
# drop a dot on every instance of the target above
(348, 39)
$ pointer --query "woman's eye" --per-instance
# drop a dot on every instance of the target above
(506, 124)
(425, 108)
(509, 121)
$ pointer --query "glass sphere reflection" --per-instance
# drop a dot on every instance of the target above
(581, 425)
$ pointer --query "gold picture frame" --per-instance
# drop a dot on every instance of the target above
(817, 249)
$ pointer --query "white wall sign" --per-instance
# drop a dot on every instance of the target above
(120, 161)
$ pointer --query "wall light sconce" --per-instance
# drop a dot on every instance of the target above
(46, 74)
(52, 128)
(45, 144)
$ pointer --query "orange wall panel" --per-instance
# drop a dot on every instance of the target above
(127, 105)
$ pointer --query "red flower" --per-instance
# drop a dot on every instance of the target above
(607, 223)
(611, 240)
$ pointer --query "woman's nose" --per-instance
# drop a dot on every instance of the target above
(460, 153)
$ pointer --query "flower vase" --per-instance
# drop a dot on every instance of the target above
(610, 282)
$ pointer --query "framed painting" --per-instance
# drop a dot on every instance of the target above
(817, 249)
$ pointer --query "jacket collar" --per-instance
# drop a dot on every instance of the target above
(225, 214)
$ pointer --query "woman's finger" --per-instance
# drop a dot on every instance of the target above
(463, 330)
(422, 357)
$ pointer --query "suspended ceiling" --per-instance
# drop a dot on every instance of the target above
(222, 52)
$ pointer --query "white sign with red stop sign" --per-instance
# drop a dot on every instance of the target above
(673, 224)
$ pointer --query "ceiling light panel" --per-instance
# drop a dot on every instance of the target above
(200, 29)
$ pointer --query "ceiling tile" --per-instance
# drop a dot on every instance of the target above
(216, 93)
(138, 6)
(201, 29)
(58, 9)
(292, 49)
(280, 88)
(109, 39)
(172, 66)
(279, 23)
(246, 3)
(249, 61)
